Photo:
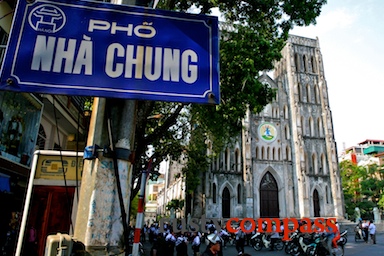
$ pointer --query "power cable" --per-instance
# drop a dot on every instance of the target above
(118, 183)
(62, 164)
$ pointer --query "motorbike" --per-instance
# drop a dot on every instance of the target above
(344, 237)
(359, 234)
(292, 243)
(260, 240)
(305, 244)
(313, 244)
(338, 251)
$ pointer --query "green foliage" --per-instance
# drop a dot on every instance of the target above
(134, 206)
(88, 104)
(362, 187)
(175, 204)
(198, 160)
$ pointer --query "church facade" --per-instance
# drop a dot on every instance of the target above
(285, 162)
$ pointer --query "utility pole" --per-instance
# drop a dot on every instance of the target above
(102, 215)
(101, 222)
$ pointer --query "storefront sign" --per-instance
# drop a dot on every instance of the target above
(101, 49)
(51, 167)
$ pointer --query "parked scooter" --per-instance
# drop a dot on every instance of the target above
(306, 244)
(260, 240)
(292, 243)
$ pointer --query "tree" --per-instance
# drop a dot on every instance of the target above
(134, 207)
(175, 204)
(362, 187)
(250, 41)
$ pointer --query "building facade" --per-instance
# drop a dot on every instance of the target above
(285, 162)
(31, 122)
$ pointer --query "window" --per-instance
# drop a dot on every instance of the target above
(316, 94)
(313, 63)
(307, 164)
(227, 160)
(311, 127)
(239, 194)
(299, 92)
(305, 63)
(297, 64)
(287, 135)
(320, 126)
(237, 160)
(214, 193)
(302, 125)
(314, 163)
(41, 138)
(324, 164)
(288, 153)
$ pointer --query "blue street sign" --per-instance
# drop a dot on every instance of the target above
(100, 49)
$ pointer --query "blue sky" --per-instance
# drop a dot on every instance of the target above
(351, 34)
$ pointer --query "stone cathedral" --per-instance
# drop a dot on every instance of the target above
(285, 162)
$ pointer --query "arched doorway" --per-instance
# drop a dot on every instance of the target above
(269, 197)
(316, 204)
(226, 203)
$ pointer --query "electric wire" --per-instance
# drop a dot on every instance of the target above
(62, 165)
(118, 184)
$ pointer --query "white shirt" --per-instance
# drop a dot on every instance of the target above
(196, 241)
(372, 229)
(170, 237)
(239, 234)
(224, 233)
(274, 234)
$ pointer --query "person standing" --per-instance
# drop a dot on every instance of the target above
(240, 240)
(372, 231)
(274, 236)
(249, 229)
(364, 225)
(170, 241)
(196, 244)
(181, 245)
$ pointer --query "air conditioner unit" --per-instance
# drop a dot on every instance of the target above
(59, 244)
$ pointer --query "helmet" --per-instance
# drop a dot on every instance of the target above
(273, 223)
(213, 238)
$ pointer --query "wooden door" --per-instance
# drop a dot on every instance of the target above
(269, 197)
(316, 203)
(226, 203)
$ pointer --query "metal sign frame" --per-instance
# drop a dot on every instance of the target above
(100, 49)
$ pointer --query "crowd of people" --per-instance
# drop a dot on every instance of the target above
(170, 242)
(167, 241)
